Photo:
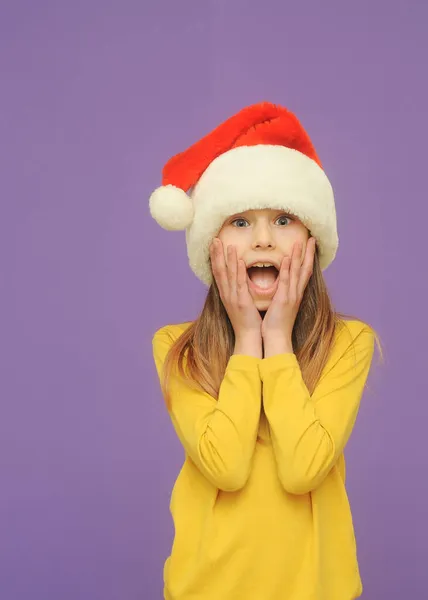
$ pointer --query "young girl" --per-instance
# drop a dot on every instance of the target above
(263, 388)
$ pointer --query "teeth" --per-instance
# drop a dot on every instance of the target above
(260, 264)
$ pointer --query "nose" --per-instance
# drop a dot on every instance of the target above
(262, 237)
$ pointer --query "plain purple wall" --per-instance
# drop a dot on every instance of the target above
(95, 97)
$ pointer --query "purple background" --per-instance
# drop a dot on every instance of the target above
(95, 96)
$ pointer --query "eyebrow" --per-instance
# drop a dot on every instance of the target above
(279, 212)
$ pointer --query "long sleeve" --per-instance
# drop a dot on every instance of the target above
(218, 435)
(310, 432)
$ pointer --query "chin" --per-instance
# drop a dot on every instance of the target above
(262, 304)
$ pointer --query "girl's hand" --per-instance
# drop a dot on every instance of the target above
(231, 279)
(293, 278)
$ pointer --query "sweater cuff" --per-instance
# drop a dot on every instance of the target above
(277, 362)
(243, 362)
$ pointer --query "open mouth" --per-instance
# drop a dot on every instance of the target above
(263, 280)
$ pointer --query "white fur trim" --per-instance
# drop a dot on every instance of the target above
(171, 207)
(256, 177)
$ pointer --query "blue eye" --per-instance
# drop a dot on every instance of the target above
(283, 217)
(237, 220)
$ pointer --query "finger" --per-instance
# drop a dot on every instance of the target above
(219, 268)
(307, 266)
(284, 280)
(296, 258)
(243, 293)
(213, 259)
(231, 269)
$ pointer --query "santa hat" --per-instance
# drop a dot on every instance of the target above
(259, 158)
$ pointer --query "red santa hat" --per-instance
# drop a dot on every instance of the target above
(259, 158)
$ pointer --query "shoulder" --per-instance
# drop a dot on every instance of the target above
(162, 340)
(352, 336)
(348, 330)
(353, 344)
(170, 333)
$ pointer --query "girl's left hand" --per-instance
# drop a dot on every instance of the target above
(293, 279)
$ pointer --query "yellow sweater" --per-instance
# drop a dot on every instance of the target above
(267, 518)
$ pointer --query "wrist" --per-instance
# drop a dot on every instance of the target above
(249, 344)
(277, 345)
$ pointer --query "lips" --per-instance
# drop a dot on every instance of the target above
(259, 281)
(262, 292)
(274, 263)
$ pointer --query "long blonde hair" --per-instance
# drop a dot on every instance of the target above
(208, 342)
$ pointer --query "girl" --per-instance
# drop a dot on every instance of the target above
(263, 388)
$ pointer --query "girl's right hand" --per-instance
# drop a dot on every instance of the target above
(231, 279)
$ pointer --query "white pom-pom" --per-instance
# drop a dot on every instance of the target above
(171, 207)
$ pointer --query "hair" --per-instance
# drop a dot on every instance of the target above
(208, 342)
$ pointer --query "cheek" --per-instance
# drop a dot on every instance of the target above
(228, 238)
(300, 236)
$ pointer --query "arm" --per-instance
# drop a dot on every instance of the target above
(310, 432)
(218, 435)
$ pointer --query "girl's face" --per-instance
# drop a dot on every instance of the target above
(265, 235)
